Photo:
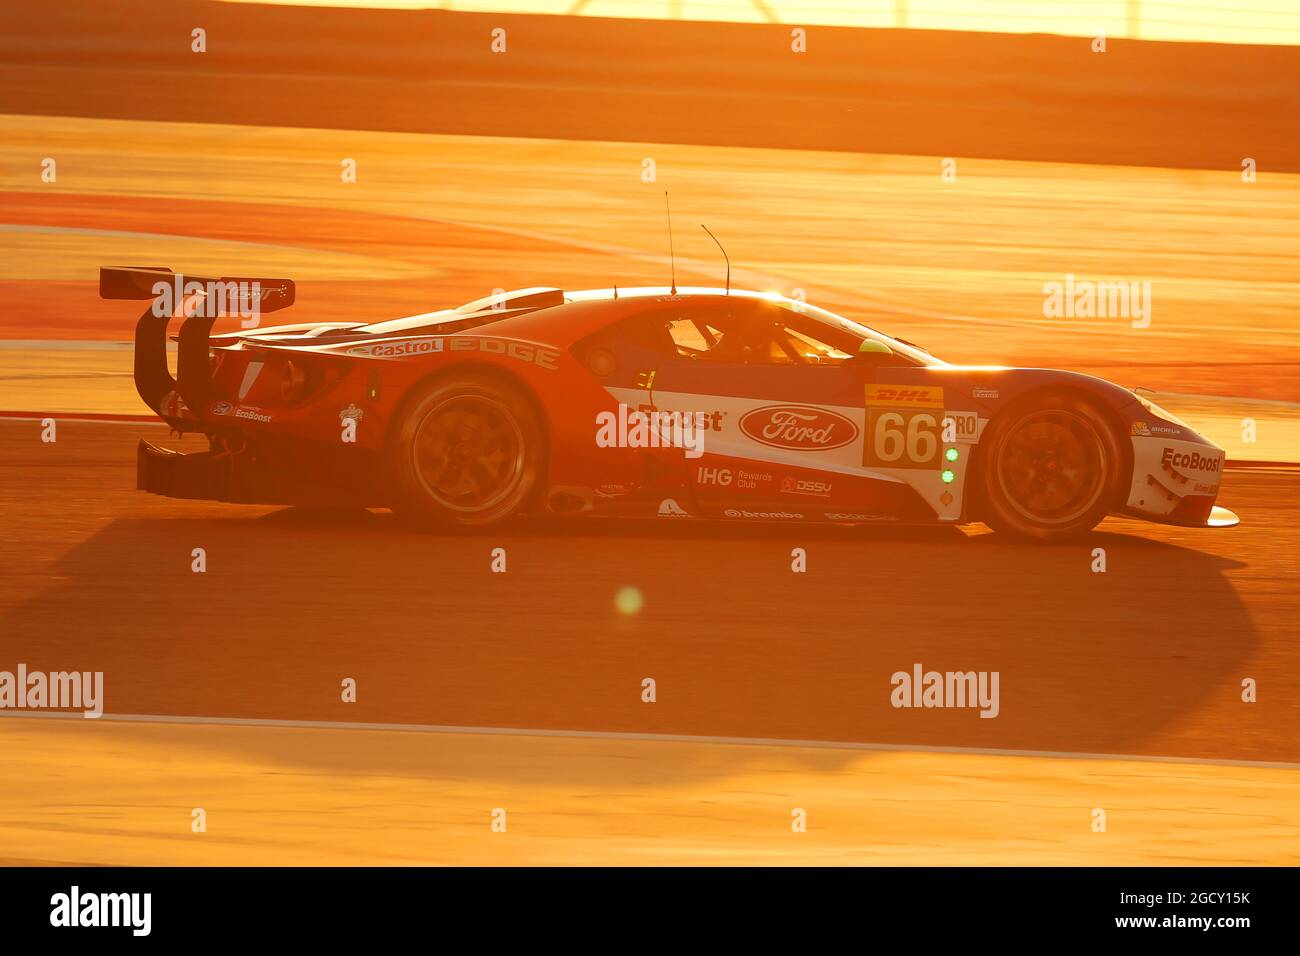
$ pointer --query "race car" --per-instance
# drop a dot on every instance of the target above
(668, 403)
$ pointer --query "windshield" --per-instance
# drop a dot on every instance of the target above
(920, 356)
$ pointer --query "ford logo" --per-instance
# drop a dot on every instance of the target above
(799, 427)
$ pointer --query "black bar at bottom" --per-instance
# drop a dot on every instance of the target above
(669, 905)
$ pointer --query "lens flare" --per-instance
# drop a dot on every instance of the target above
(628, 600)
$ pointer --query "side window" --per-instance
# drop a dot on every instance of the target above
(714, 335)
(692, 337)
(742, 332)
(812, 350)
(751, 333)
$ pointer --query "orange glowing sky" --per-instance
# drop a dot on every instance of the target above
(1222, 21)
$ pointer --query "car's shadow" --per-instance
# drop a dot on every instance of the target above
(738, 643)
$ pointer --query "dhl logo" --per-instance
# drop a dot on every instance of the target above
(913, 396)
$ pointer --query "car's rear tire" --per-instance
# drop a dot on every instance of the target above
(467, 451)
(1051, 468)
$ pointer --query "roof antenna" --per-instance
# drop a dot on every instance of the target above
(672, 258)
(724, 255)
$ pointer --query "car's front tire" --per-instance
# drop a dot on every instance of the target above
(1052, 468)
(467, 451)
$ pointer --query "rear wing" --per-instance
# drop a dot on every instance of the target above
(168, 292)
(238, 292)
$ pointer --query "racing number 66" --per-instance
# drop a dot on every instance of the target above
(902, 439)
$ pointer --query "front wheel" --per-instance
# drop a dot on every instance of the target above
(467, 452)
(1052, 468)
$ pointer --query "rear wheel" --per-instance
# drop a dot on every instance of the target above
(1051, 468)
(467, 452)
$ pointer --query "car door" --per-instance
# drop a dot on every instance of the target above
(781, 399)
(776, 400)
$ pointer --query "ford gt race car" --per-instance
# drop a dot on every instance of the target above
(705, 403)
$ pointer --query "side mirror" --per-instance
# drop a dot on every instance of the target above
(871, 355)
(872, 347)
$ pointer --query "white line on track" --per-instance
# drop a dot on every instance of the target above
(71, 345)
(648, 738)
(79, 417)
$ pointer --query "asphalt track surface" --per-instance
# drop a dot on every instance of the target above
(1145, 659)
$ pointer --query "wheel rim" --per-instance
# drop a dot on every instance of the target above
(1052, 466)
(469, 453)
